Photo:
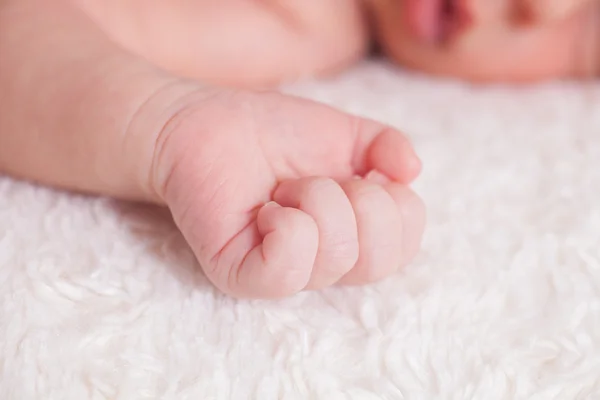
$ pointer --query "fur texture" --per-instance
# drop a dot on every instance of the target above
(102, 300)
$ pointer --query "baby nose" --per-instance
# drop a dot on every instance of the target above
(542, 11)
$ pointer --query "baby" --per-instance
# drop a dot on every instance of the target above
(158, 101)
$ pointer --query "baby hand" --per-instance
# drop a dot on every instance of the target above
(276, 194)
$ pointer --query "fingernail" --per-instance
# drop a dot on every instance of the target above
(271, 204)
(377, 177)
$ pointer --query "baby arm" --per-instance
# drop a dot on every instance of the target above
(274, 194)
(77, 111)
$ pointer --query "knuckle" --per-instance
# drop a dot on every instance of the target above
(382, 260)
(366, 195)
(342, 249)
(295, 221)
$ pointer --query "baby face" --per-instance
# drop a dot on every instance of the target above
(492, 40)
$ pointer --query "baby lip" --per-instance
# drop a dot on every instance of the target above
(422, 17)
(437, 21)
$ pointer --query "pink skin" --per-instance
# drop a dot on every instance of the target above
(274, 194)
(273, 202)
(270, 190)
(500, 40)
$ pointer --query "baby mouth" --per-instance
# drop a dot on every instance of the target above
(436, 21)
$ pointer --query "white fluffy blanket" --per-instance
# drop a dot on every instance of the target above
(103, 300)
